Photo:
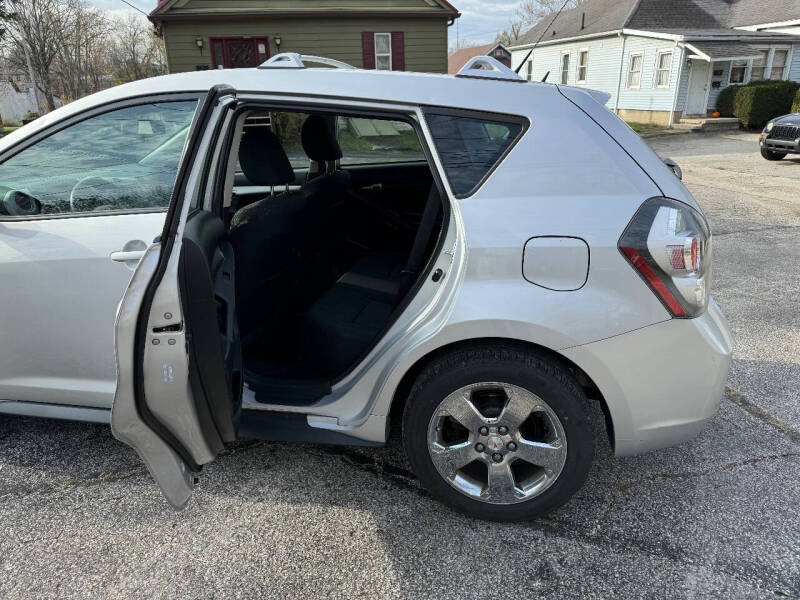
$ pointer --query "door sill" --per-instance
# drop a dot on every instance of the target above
(291, 427)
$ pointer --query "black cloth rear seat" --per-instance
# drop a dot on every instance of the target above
(326, 186)
(379, 273)
(282, 241)
(346, 320)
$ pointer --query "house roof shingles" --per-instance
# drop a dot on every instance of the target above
(682, 17)
(459, 58)
(758, 12)
(601, 16)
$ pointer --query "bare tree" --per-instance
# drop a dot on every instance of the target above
(5, 15)
(35, 29)
(81, 60)
(135, 50)
(510, 36)
(531, 12)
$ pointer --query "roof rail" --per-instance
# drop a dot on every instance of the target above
(486, 67)
(293, 60)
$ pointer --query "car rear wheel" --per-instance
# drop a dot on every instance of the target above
(499, 433)
(770, 155)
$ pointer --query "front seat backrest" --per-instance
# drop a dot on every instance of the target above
(265, 235)
(263, 159)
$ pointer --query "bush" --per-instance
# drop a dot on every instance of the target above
(757, 102)
(725, 100)
(796, 105)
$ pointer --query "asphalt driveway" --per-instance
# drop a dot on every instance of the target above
(719, 516)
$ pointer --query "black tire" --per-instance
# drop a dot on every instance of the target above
(530, 370)
(770, 155)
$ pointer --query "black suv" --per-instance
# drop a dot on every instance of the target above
(780, 137)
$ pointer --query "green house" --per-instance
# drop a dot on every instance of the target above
(373, 34)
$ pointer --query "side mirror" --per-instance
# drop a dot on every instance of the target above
(20, 204)
(675, 168)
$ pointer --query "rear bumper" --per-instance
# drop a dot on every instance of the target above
(661, 383)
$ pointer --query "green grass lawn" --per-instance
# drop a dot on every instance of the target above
(643, 127)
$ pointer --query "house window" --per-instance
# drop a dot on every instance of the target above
(583, 65)
(564, 68)
(635, 71)
(779, 59)
(759, 66)
(663, 69)
(383, 51)
(738, 71)
(530, 70)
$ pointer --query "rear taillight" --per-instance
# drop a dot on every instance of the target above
(669, 244)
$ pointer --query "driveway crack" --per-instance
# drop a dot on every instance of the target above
(625, 487)
(739, 400)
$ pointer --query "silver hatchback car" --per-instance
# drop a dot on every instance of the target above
(315, 253)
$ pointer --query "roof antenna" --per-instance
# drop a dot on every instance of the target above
(528, 55)
(546, 75)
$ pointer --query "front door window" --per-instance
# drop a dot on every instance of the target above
(239, 52)
(122, 160)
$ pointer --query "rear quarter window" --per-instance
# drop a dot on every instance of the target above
(471, 145)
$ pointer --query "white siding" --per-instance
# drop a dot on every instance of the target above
(794, 69)
(683, 85)
(14, 105)
(605, 62)
(713, 93)
(647, 96)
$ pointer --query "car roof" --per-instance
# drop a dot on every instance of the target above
(403, 87)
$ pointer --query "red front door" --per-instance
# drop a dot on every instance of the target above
(238, 52)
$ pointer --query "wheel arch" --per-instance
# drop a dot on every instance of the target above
(401, 392)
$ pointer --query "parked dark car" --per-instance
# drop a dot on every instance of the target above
(780, 137)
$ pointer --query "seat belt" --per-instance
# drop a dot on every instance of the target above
(417, 255)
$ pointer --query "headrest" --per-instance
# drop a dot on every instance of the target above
(319, 139)
(263, 159)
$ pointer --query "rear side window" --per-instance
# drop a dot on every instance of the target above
(377, 141)
(471, 145)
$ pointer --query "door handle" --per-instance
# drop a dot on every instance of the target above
(127, 255)
(131, 252)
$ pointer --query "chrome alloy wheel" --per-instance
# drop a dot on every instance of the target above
(497, 442)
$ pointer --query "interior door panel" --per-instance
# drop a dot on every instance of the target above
(398, 181)
(207, 287)
(387, 203)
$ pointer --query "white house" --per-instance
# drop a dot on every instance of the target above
(16, 101)
(664, 60)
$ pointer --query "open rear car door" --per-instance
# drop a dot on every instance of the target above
(177, 351)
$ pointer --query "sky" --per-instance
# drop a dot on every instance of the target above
(480, 19)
